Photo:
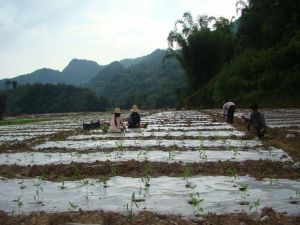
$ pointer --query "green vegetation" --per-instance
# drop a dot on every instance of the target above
(49, 98)
(3, 100)
(16, 121)
(148, 83)
(253, 59)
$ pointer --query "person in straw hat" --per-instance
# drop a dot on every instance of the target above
(134, 118)
(116, 122)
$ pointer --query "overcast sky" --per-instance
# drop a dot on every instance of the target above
(49, 33)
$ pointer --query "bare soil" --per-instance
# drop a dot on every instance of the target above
(258, 169)
(268, 217)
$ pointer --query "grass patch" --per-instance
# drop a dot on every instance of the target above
(17, 121)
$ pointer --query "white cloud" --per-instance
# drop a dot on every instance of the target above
(44, 33)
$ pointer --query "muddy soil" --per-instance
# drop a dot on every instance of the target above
(74, 171)
(268, 217)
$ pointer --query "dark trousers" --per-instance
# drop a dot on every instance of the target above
(230, 114)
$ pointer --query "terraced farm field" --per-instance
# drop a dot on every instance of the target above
(186, 167)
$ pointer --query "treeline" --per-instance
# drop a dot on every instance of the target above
(49, 98)
(253, 59)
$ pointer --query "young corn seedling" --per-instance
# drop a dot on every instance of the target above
(103, 180)
(244, 195)
(22, 186)
(114, 170)
(233, 174)
(171, 155)
(274, 180)
(19, 205)
(120, 150)
(38, 190)
(254, 205)
(147, 176)
(195, 200)
(87, 183)
(62, 186)
(235, 152)
(72, 206)
(129, 206)
(77, 173)
(186, 175)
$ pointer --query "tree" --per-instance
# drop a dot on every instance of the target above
(201, 50)
(7, 84)
(3, 100)
(14, 84)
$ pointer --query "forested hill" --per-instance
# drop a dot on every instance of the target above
(50, 98)
(144, 80)
(254, 60)
(148, 82)
(77, 72)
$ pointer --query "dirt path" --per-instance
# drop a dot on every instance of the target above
(268, 217)
(258, 169)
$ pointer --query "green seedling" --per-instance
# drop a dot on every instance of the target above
(130, 205)
(114, 170)
(202, 154)
(146, 181)
(22, 186)
(171, 155)
(235, 152)
(120, 149)
(104, 128)
(72, 206)
(244, 187)
(103, 180)
(38, 190)
(62, 186)
(143, 154)
(186, 172)
(233, 174)
(195, 199)
(147, 176)
(274, 180)
(87, 183)
(77, 173)
(18, 203)
(254, 205)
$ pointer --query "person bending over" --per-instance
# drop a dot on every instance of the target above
(228, 111)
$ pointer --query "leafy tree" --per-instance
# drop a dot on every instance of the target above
(3, 99)
(263, 23)
(201, 50)
(7, 84)
(14, 84)
(49, 98)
